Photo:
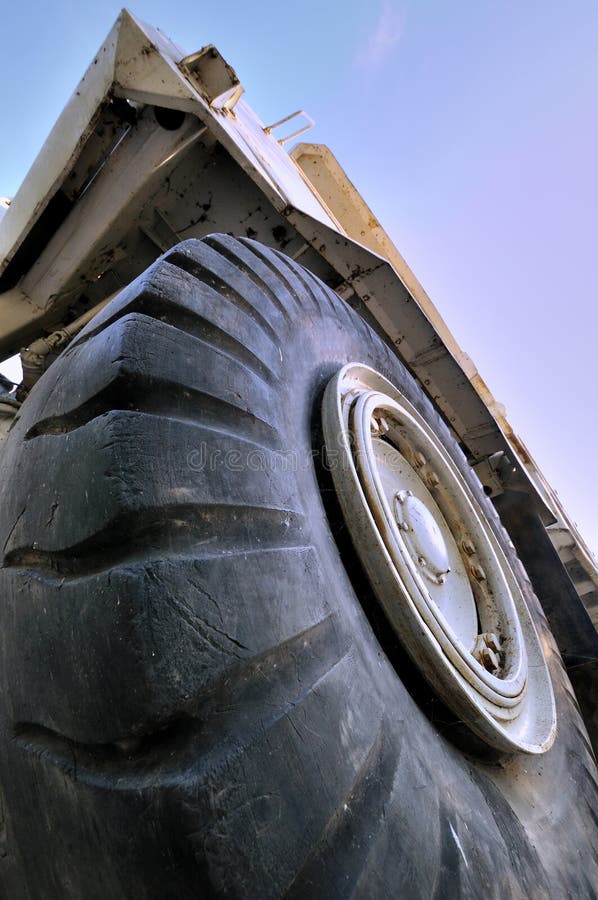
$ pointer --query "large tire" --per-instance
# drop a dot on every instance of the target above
(195, 703)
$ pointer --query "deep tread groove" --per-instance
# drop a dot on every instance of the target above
(233, 257)
(193, 324)
(337, 303)
(220, 286)
(309, 658)
(276, 271)
(299, 274)
(132, 537)
(257, 683)
(343, 847)
(167, 400)
(334, 301)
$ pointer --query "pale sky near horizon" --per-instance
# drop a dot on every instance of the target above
(470, 127)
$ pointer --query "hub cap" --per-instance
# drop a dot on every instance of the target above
(435, 563)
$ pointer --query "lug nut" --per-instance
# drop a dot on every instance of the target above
(468, 547)
(489, 660)
(486, 650)
(379, 425)
(442, 576)
(491, 641)
(432, 479)
(477, 572)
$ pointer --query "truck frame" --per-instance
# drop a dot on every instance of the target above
(157, 147)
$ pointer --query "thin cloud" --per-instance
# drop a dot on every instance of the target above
(384, 38)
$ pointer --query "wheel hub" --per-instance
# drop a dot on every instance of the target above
(423, 536)
(435, 564)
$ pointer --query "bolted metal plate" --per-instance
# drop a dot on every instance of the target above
(435, 564)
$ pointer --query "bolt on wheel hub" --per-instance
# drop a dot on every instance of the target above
(435, 564)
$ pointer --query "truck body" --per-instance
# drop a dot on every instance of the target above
(156, 147)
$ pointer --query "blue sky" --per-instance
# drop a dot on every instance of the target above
(469, 126)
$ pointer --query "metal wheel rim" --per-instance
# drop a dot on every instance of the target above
(511, 708)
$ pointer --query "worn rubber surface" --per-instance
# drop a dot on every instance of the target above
(195, 703)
